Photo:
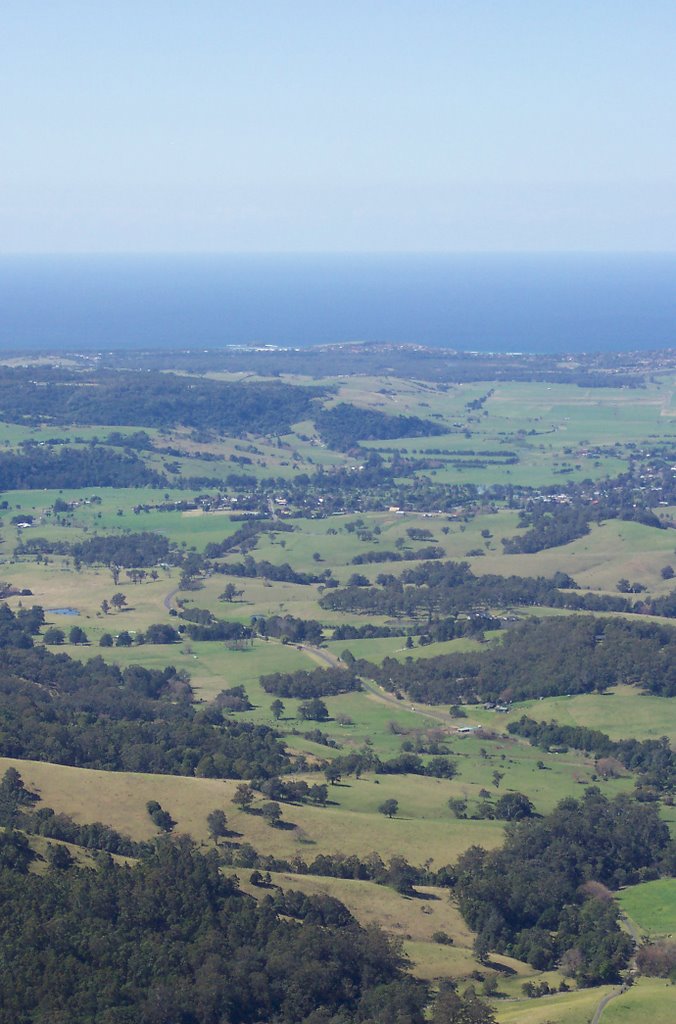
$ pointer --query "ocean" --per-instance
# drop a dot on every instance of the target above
(483, 302)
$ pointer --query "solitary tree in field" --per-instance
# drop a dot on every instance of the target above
(77, 635)
(513, 807)
(389, 807)
(217, 824)
(277, 708)
(244, 796)
(458, 805)
(118, 601)
(105, 607)
(230, 593)
(59, 857)
(313, 709)
(160, 817)
(272, 812)
(497, 778)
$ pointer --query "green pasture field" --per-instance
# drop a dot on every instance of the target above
(651, 906)
(55, 586)
(337, 545)
(623, 712)
(309, 449)
(13, 433)
(584, 415)
(378, 649)
(112, 499)
(575, 1007)
(212, 666)
(261, 597)
(649, 999)
(598, 560)
(386, 724)
(554, 429)
(115, 514)
(396, 396)
(564, 775)
(557, 432)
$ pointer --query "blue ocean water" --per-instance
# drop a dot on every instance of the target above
(496, 302)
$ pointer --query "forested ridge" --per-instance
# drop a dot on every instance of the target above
(157, 400)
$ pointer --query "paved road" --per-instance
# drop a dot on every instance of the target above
(604, 1002)
(170, 597)
(320, 655)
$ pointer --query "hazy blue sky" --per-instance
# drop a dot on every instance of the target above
(337, 125)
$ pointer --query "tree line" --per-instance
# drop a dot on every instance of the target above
(654, 760)
(16, 812)
(542, 658)
(319, 682)
(94, 715)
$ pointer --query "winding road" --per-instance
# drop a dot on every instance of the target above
(604, 1002)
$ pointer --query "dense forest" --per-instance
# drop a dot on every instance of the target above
(542, 897)
(90, 466)
(121, 550)
(344, 426)
(149, 400)
(543, 658)
(320, 682)
(93, 715)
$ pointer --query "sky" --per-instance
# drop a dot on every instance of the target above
(337, 125)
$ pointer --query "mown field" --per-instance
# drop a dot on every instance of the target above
(651, 906)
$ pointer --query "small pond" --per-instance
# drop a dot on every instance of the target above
(63, 611)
